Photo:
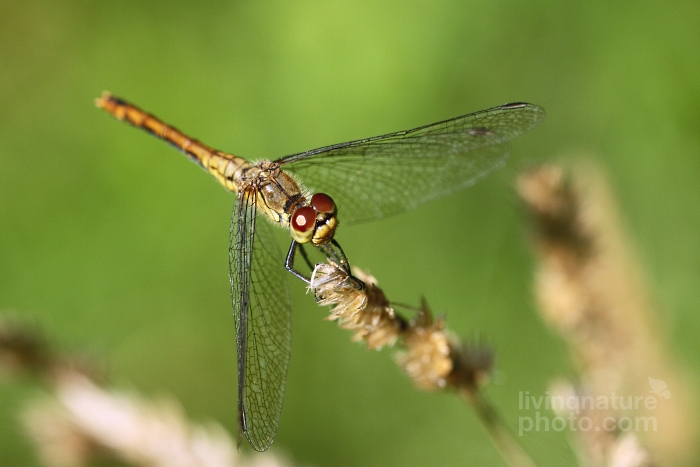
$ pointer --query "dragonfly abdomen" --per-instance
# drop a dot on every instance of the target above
(226, 168)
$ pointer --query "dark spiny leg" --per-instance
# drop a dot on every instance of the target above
(343, 259)
(335, 253)
(329, 253)
(289, 263)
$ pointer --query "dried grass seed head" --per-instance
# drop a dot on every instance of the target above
(358, 306)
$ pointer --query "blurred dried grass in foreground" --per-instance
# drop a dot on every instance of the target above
(592, 293)
(77, 421)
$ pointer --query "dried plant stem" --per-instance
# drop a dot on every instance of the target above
(502, 438)
(431, 358)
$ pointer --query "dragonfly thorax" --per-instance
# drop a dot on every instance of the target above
(278, 194)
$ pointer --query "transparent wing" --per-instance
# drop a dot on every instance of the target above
(262, 312)
(383, 175)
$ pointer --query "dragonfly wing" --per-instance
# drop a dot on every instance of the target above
(384, 175)
(262, 312)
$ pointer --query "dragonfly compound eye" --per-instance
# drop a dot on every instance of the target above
(321, 202)
(303, 222)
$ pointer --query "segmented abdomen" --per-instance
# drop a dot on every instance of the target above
(226, 168)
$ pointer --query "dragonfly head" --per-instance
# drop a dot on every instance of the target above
(317, 222)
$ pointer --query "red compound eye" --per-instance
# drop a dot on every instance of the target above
(303, 219)
(321, 202)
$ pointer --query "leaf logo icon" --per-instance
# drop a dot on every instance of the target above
(659, 388)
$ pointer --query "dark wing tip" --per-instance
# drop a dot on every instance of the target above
(515, 105)
(535, 113)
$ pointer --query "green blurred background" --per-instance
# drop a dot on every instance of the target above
(117, 245)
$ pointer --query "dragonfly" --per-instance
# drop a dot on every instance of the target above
(369, 179)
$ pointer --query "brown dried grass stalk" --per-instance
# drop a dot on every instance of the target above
(430, 356)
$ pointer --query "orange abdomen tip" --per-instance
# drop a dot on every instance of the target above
(116, 107)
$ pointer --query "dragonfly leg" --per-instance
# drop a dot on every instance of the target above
(343, 260)
(335, 253)
(289, 262)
